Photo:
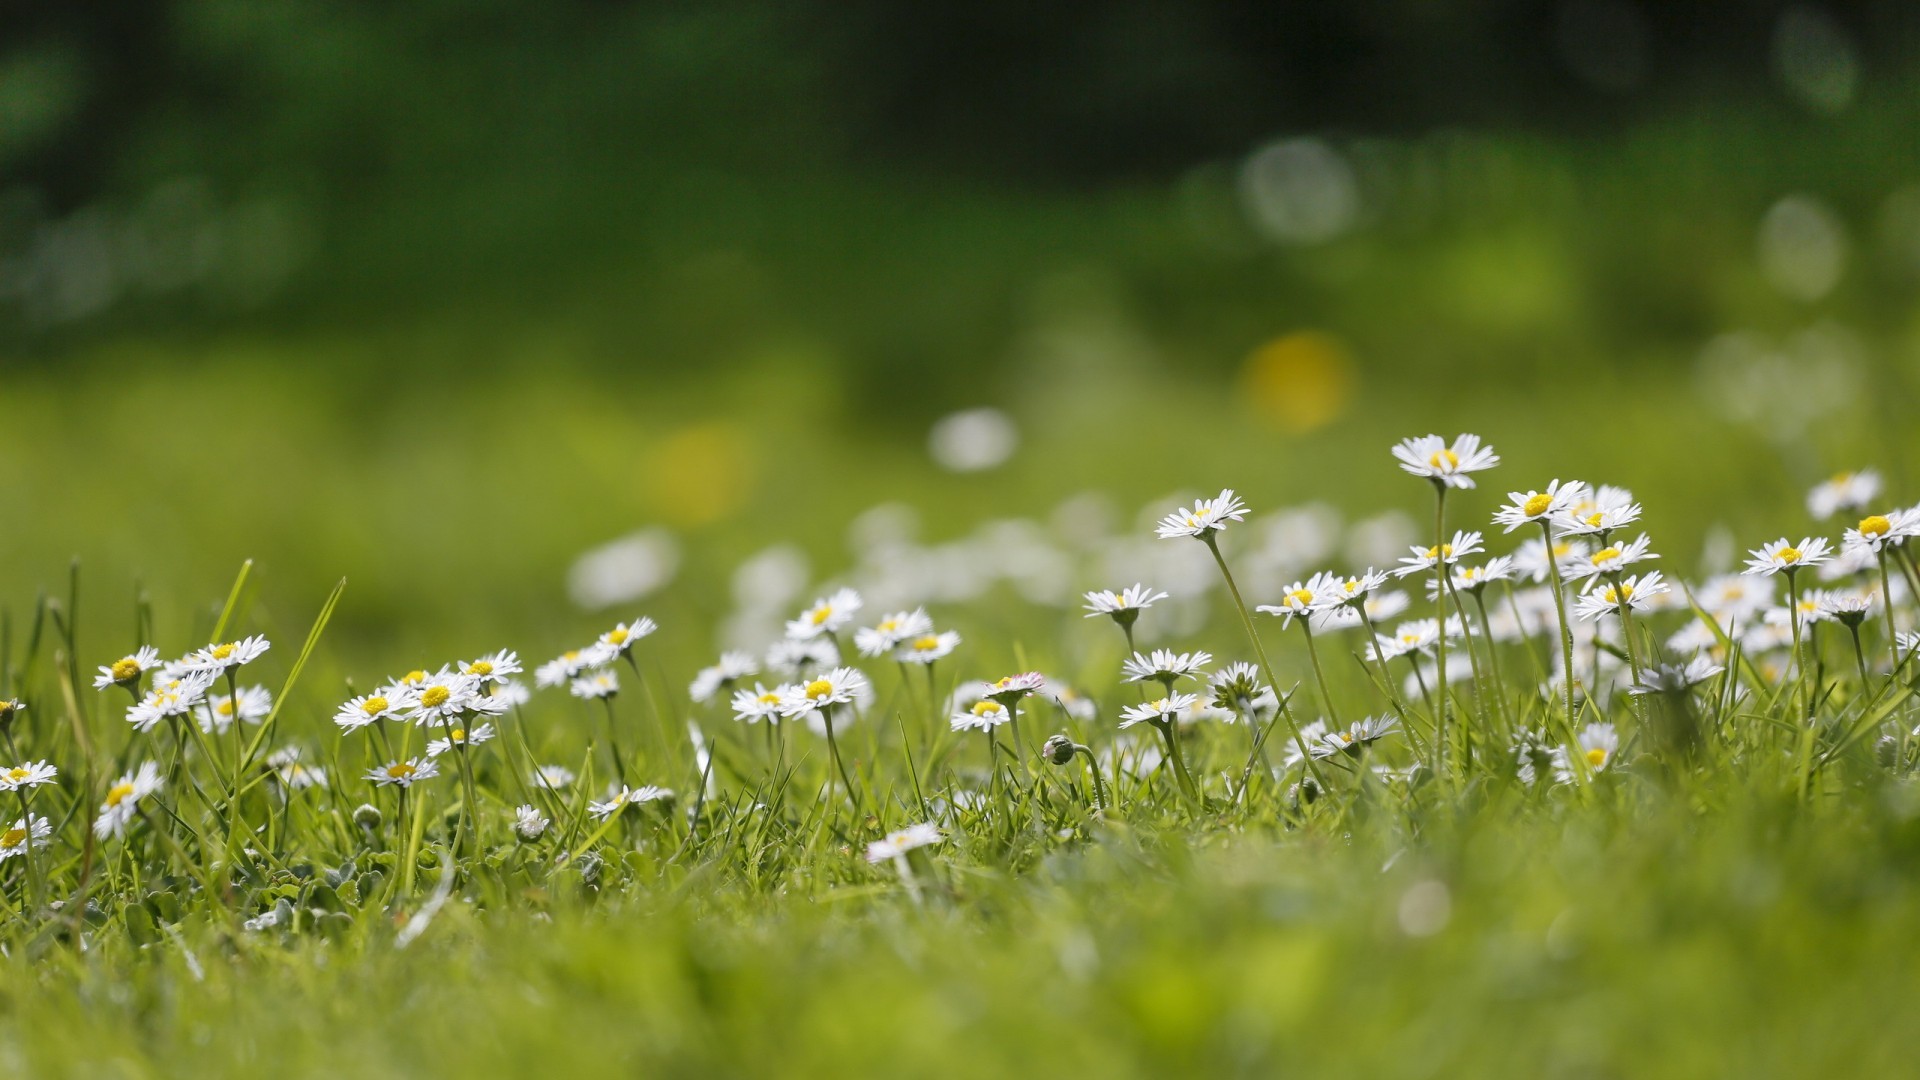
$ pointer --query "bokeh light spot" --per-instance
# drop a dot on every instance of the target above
(699, 473)
(1299, 382)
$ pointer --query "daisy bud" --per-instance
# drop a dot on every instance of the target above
(590, 866)
(529, 824)
(367, 816)
(1306, 791)
(1058, 749)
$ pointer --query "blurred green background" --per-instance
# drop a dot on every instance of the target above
(439, 295)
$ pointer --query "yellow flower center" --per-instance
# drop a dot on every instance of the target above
(617, 636)
(818, 689)
(1872, 525)
(1301, 597)
(119, 793)
(1536, 505)
(769, 698)
(221, 652)
(435, 696)
(1606, 555)
(401, 770)
(374, 705)
(126, 670)
(1596, 757)
(1443, 551)
(1444, 459)
(1562, 549)
(926, 644)
(13, 837)
(225, 708)
(1594, 519)
(417, 676)
(821, 614)
(987, 708)
(458, 734)
(17, 774)
(481, 668)
(1163, 705)
(1788, 555)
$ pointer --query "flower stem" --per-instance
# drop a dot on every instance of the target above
(1266, 665)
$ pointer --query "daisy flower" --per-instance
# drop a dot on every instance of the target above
(1165, 666)
(896, 844)
(1349, 591)
(1735, 597)
(441, 698)
(620, 640)
(529, 824)
(28, 776)
(1600, 511)
(1780, 556)
(795, 658)
(731, 668)
(1424, 558)
(1302, 598)
(628, 796)
(1472, 579)
(928, 648)
(1430, 456)
(220, 657)
(1124, 606)
(1849, 608)
(1529, 507)
(1530, 558)
(1610, 559)
(1312, 735)
(1634, 592)
(1161, 711)
(564, 668)
(358, 712)
(15, 840)
(1237, 688)
(1597, 744)
(1413, 636)
(250, 704)
(603, 683)
(554, 777)
(404, 774)
(827, 616)
(123, 800)
(460, 737)
(1878, 531)
(507, 693)
(836, 687)
(985, 715)
(1844, 491)
(127, 670)
(879, 639)
(293, 772)
(173, 697)
(759, 703)
(1204, 518)
(10, 709)
(1014, 687)
(1360, 734)
(492, 667)
(1676, 678)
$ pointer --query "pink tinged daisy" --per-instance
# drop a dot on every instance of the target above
(1632, 593)
(628, 796)
(357, 713)
(1431, 457)
(1014, 687)
(895, 845)
(27, 831)
(28, 776)
(927, 648)
(127, 670)
(1204, 518)
(1425, 558)
(1780, 556)
(220, 657)
(1533, 507)
(882, 637)
(1160, 711)
(984, 715)
(828, 615)
(403, 774)
(123, 800)
(1844, 491)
